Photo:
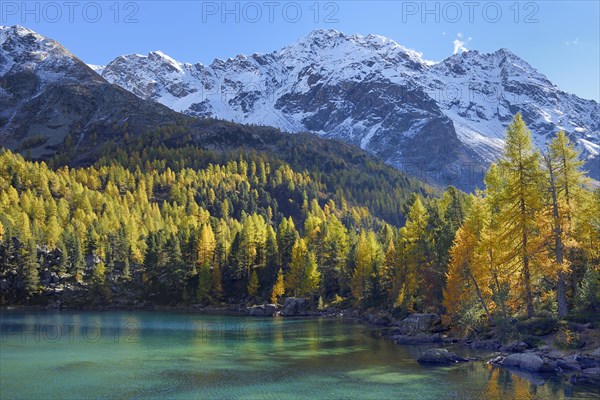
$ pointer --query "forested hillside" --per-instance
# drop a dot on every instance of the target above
(176, 224)
(187, 225)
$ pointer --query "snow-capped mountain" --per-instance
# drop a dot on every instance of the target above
(443, 121)
(48, 97)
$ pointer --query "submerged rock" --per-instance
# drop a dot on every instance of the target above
(440, 356)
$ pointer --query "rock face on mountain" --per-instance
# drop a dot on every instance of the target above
(443, 122)
(48, 95)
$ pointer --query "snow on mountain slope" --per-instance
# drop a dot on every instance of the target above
(22, 51)
(376, 94)
(482, 92)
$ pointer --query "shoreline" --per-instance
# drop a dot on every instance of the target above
(576, 367)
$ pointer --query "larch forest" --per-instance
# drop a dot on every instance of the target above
(182, 226)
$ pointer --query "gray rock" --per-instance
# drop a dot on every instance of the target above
(568, 364)
(439, 356)
(263, 310)
(515, 347)
(486, 344)
(553, 354)
(596, 353)
(527, 361)
(417, 323)
(294, 306)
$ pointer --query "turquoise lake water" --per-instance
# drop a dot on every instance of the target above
(173, 355)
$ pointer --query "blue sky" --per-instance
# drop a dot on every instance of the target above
(560, 39)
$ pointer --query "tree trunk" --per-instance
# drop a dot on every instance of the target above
(561, 294)
(500, 298)
(528, 295)
(561, 289)
(527, 279)
(487, 311)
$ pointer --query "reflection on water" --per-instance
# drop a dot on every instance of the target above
(135, 355)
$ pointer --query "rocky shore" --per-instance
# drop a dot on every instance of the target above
(428, 330)
(576, 366)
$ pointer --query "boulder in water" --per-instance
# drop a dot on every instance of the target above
(262, 310)
(528, 362)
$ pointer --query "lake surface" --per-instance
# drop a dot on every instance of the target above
(173, 355)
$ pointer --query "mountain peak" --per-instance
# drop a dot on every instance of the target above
(334, 44)
(24, 49)
(17, 31)
(322, 36)
(160, 56)
(505, 52)
(322, 32)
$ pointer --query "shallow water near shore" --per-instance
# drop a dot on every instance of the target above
(175, 355)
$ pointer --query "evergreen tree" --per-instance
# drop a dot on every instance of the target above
(297, 267)
(63, 260)
(287, 235)
(466, 277)
(253, 284)
(175, 278)
(278, 288)
(76, 261)
(418, 248)
(522, 201)
(30, 270)
(216, 283)
(53, 231)
(335, 253)
(369, 258)
(304, 277)
(206, 246)
(204, 283)
(564, 181)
